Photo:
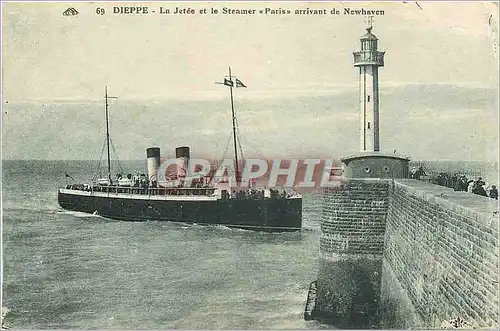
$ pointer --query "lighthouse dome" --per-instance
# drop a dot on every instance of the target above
(369, 35)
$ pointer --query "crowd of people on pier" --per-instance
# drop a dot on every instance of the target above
(417, 173)
(476, 186)
(459, 182)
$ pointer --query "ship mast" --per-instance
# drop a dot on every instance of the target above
(232, 82)
(106, 97)
(236, 168)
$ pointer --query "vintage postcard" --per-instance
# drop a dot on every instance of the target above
(250, 165)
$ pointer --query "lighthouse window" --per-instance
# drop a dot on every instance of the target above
(368, 98)
(368, 125)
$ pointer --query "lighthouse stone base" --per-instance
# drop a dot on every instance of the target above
(375, 165)
(352, 240)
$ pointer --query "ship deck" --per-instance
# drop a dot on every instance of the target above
(169, 193)
(190, 205)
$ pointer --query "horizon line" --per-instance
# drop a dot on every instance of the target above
(270, 158)
(292, 92)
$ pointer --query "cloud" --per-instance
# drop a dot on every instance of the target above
(442, 97)
(48, 56)
(437, 116)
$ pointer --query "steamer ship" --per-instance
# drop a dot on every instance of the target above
(206, 200)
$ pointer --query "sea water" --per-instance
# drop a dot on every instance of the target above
(74, 270)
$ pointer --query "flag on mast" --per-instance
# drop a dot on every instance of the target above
(232, 82)
(239, 83)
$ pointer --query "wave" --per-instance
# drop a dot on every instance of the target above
(221, 227)
(78, 214)
(311, 228)
(23, 208)
(228, 228)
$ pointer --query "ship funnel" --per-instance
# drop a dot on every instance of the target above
(153, 155)
(182, 153)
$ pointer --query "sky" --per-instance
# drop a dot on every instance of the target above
(438, 88)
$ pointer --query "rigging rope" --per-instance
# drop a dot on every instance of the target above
(238, 139)
(100, 160)
(227, 144)
(120, 168)
(247, 142)
(238, 136)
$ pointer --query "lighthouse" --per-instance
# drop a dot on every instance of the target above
(370, 162)
(368, 60)
(353, 220)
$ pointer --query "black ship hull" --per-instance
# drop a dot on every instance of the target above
(271, 215)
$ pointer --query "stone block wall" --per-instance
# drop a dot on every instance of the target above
(440, 258)
(407, 254)
(351, 247)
